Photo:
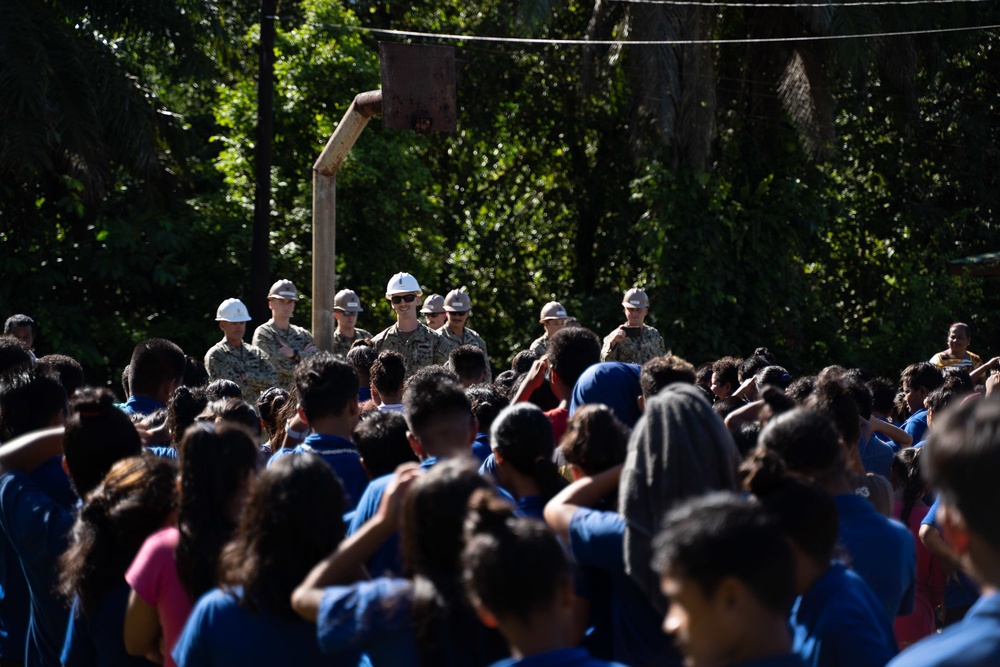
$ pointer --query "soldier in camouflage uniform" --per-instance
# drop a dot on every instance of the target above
(435, 316)
(283, 343)
(455, 334)
(417, 343)
(346, 306)
(232, 359)
(643, 344)
(553, 319)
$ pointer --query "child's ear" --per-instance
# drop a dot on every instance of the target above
(487, 617)
(953, 528)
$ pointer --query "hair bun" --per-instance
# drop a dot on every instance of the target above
(488, 513)
(93, 402)
(763, 472)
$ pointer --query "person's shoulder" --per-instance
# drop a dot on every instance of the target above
(385, 333)
(972, 642)
(361, 334)
(939, 359)
(218, 348)
(650, 331)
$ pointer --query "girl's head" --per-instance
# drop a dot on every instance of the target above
(595, 439)
(292, 519)
(807, 442)
(832, 397)
(907, 475)
(512, 568)
(216, 463)
(137, 497)
(234, 411)
(433, 513)
(184, 406)
(98, 434)
(269, 405)
(521, 438)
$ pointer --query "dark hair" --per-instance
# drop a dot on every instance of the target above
(215, 461)
(727, 406)
(97, 436)
(571, 352)
(434, 512)
(957, 380)
(749, 367)
(469, 363)
(431, 395)
(939, 399)
(29, 401)
(66, 369)
(745, 436)
(963, 327)
(292, 519)
(832, 398)
(327, 386)
(922, 375)
(801, 389)
(505, 383)
(806, 441)
(660, 371)
(775, 403)
(900, 408)
(595, 439)
(725, 371)
(382, 443)
(510, 566)
(523, 361)
(703, 374)
(13, 357)
(486, 403)
(135, 499)
(218, 390)
(883, 393)
(20, 320)
(906, 474)
(195, 374)
(806, 512)
(183, 408)
(962, 461)
(155, 361)
(522, 436)
(235, 411)
(714, 537)
(268, 406)
(388, 372)
(772, 376)
(862, 396)
(361, 358)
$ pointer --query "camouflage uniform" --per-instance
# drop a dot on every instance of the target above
(342, 344)
(634, 350)
(421, 349)
(268, 338)
(225, 362)
(450, 341)
(538, 345)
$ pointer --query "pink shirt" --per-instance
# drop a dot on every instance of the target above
(153, 577)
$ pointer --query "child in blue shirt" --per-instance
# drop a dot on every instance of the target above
(518, 580)
(962, 461)
(523, 448)
(291, 520)
(727, 570)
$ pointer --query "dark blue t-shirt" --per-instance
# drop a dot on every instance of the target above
(96, 639)
(916, 425)
(972, 642)
(840, 623)
(597, 540)
(38, 530)
(481, 447)
(141, 405)
(960, 590)
(613, 383)
(566, 657)
(882, 552)
(876, 456)
(221, 633)
(341, 455)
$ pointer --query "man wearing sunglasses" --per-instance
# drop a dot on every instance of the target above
(418, 344)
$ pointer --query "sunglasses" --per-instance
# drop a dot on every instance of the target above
(408, 298)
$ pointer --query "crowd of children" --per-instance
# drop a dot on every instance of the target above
(573, 511)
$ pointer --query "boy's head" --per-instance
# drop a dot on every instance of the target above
(387, 375)
(326, 386)
(98, 435)
(725, 376)
(962, 461)
(156, 369)
(658, 372)
(382, 442)
(22, 328)
(726, 568)
(66, 369)
(571, 352)
(438, 413)
(918, 381)
(30, 401)
(470, 365)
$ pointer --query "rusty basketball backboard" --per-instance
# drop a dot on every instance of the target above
(418, 87)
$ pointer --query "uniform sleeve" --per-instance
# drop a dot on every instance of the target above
(212, 365)
(352, 617)
(440, 349)
(78, 649)
(596, 539)
(608, 352)
(658, 345)
(191, 649)
(261, 374)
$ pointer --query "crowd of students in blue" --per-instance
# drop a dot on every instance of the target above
(608, 514)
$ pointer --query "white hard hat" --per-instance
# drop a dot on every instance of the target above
(232, 310)
(402, 283)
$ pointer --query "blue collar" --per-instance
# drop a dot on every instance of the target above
(142, 405)
(323, 442)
